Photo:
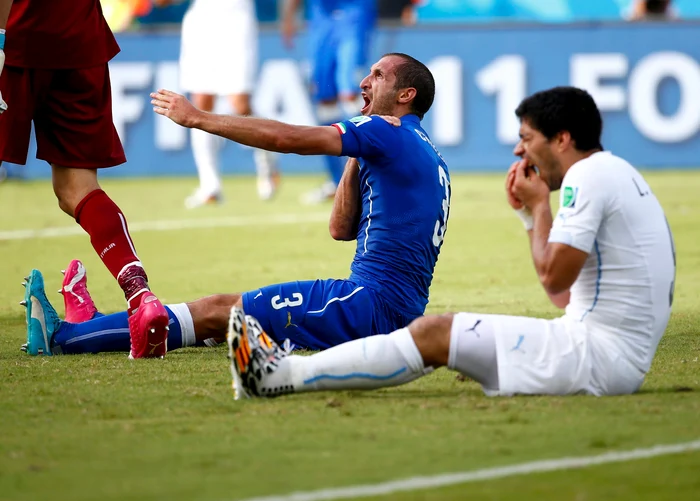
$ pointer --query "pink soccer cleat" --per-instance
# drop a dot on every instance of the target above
(148, 327)
(76, 298)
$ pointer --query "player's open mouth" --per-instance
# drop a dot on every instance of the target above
(367, 103)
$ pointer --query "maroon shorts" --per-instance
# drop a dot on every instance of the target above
(72, 114)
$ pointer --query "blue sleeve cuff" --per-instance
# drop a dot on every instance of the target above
(2, 40)
(348, 137)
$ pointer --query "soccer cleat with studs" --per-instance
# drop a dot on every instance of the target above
(253, 356)
(78, 303)
(148, 328)
(41, 317)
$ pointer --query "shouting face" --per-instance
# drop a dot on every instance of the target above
(378, 91)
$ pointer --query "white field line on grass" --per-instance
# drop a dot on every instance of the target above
(435, 481)
(169, 225)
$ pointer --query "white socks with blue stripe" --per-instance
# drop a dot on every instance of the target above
(363, 364)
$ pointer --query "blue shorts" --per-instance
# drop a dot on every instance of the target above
(318, 314)
(338, 56)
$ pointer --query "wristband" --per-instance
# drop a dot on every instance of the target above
(2, 39)
(525, 216)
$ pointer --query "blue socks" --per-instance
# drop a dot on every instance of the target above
(109, 333)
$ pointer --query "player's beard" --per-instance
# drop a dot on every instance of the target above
(552, 176)
(549, 168)
(382, 105)
(555, 182)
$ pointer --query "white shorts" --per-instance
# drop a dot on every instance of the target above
(555, 357)
(219, 50)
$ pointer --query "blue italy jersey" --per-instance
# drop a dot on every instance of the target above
(405, 189)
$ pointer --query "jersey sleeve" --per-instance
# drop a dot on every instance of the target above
(582, 207)
(367, 137)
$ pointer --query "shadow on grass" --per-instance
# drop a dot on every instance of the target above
(668, 389)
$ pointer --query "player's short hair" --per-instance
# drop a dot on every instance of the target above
(564, 109)
(412, 73)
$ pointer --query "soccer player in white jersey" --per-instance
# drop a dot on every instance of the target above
(218, 57)
(607, 257)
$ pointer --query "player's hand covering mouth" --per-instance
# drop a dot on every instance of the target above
(367, 100)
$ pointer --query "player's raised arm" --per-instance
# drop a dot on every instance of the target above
(256, 132)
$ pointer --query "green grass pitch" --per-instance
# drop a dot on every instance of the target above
(102, 427)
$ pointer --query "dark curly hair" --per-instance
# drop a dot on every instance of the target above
(564, 109)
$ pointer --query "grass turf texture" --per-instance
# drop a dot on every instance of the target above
(103, 427)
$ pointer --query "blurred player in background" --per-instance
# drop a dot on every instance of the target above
(56, 75)
(652, 10)
(219, 57)
(403, 10)
(394, 199)
(120, 14)
(608, 258)
(339, 36)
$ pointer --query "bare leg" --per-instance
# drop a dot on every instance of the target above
(240, 104)
(71, 186)
(431, 334)
(204, 102)
(211, 314)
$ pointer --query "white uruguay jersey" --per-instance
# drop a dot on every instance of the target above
(219, 47)
(625, 289)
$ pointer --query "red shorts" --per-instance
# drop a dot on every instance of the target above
(72, 114)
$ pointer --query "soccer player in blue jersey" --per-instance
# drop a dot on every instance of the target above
(339, 35)
(393, 198)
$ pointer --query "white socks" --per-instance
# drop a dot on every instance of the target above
(205, 148)
(473, 350)
(184, 318)
(369, 363)
(265, 162)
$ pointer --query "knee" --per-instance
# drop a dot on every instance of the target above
(210, 314)
(432, 337)
(218, 307)
(240, 104)
(204, 102)
(71, 186)
(68, 197)
(65, 203)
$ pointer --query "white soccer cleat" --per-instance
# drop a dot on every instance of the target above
(268, 174)
(322, 194)
(267, 186)
(200, 198)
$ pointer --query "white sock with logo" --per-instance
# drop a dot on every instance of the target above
(364, 364)
(184, 318)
